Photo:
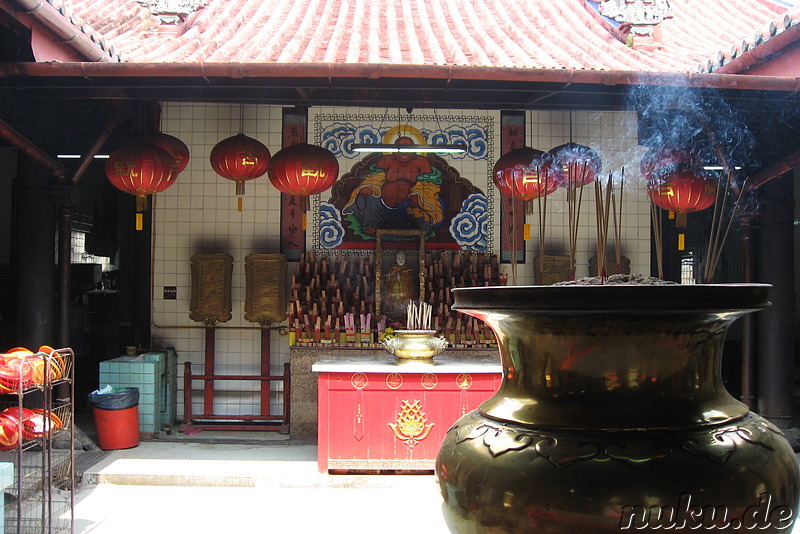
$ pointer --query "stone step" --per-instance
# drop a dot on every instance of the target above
(227, 465)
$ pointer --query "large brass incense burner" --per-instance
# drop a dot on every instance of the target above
(612, 414)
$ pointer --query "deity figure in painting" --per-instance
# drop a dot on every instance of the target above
(400, 191)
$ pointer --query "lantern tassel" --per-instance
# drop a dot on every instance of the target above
(141, 203)
(239, 203)
(239, 189)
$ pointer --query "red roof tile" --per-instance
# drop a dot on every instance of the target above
(559, 34)
(776, 34)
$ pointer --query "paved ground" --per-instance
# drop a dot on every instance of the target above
(201, 487)
(220, 482)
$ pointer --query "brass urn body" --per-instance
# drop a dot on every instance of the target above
(612, 415)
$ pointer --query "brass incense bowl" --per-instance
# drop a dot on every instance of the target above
(415, 345)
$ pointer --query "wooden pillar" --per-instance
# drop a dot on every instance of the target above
(776, 323)
(35, 255)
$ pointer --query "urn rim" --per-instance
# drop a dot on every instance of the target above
(651, 297)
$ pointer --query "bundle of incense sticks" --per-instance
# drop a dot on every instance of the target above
(418, 315)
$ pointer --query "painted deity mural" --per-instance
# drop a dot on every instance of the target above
(407, 190)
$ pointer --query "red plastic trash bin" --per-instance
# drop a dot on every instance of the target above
(116, 428)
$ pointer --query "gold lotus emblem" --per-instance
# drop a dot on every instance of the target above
(411, 425)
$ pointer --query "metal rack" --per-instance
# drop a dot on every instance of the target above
(42, 499)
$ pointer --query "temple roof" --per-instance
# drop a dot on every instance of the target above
(563, 34)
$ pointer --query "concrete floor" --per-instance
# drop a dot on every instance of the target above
(218, 481)
(201, 487)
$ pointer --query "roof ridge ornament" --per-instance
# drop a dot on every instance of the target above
(172, 12)
(640, 15)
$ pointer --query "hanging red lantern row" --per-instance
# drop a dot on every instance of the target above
(240, 158)
(141, 169)
(525, 173)
(303, 170)
(575, 165)
(174, 146)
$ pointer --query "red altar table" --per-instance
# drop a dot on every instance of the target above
(374, 414)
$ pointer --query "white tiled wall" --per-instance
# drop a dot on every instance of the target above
(198, 214)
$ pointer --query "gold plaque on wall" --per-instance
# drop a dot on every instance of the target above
(211, 288)
(265, 291)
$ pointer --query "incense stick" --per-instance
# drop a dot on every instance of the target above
(514, 241)
(418, 316)
(658, 232)
(542, 201)
(574, 208)
(717, 239)
(618, 223)
(604, 205)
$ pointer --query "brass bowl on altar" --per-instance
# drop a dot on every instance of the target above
(415, 345)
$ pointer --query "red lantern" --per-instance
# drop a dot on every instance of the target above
(174, 146)
(240, 158)
(525, 173)
(683, 191)
(664, 159)
(303, 169)
(576, 165)
(141, 169)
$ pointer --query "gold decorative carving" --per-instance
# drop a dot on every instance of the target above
(359, 380)
(265, 289)
(429, 381)
(411, 426)
(211, 288)
(464, 381)
(394, 380)
(716, 444)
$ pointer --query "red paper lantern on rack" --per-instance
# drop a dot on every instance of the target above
(240, 158)
(686, 190)
(303, 169)
(141, 169)
(525, 173)
(174, 146)
(575, 165)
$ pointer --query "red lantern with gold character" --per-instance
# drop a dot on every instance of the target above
(174, 146)
(303, 169)
(141, 169)
(525, 173)
(240, 158)
(665, 159)
(685, 190)
(575, 165)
